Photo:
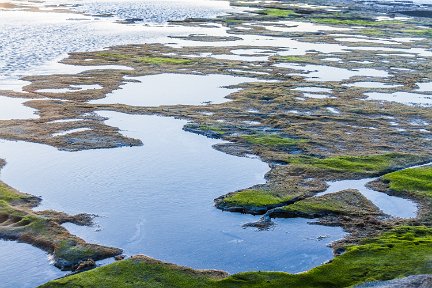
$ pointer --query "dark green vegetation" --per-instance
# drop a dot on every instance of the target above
(370, 165)
(144, 59)
(400, 252)
(279, 12)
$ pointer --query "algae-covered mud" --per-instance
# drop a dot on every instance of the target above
(275, 143)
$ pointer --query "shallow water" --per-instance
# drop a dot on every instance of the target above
(13, 108)
(158, 199)
(402, 97)
(24, 266)
(182, 89)
(372, 85)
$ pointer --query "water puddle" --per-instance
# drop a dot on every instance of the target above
(297, 26)
(328, 73)
(402, 97)
(13, 108)
(424, 87)
(378, 85)
(71, 131)
(71, 88)
(185, 89)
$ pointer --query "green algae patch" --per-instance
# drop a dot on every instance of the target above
(348, 202)
(415, 181)
(271, 140)
(144, 59)
(253, 197)
(279, 12)
(400, 252)
(365, 165)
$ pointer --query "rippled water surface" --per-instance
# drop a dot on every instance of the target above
(25, 44)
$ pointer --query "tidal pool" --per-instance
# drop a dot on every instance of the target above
(173, 89)
(157, 199)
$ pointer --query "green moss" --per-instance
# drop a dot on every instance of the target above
(279, 12)
(254, 197)
(297, 59)
(145, 59)
(419, 32)
(372, 164)
(414, 180)
(212, 128)
(400, 252)
(8, 194)
(163, 60)
(372, 32)
(271, 140)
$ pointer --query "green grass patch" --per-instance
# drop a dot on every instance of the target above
(256, 198)
(415, 180)
(271, 140)
(371, 164)
(8, 194)
(401, 252)
(419, 32)
(145, 59)
(212, 129)
(279, 12)
(296, 59)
